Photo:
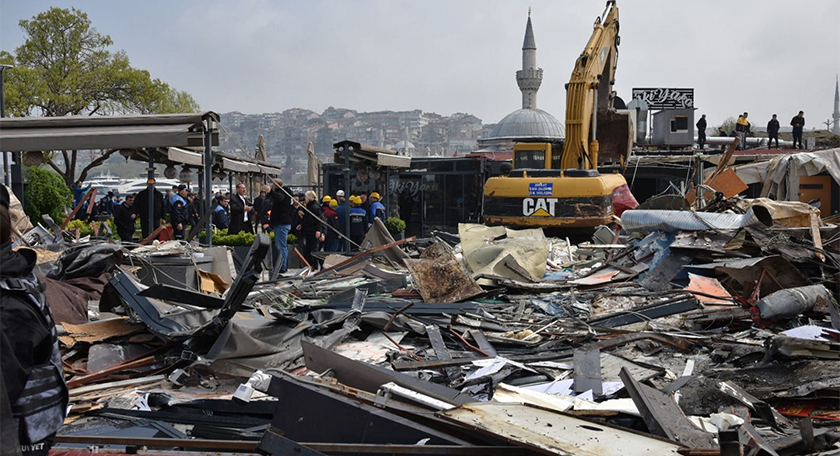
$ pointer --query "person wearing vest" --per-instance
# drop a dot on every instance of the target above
(35, 396)
(377, 209)
(179, 216)
(220, 215)
(358, 220)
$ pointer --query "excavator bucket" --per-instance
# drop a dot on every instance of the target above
(615, 138)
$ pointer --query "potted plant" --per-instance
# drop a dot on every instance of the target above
(396, 226)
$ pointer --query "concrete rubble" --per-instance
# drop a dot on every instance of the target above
(693, 332)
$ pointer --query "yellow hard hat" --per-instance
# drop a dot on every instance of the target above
(326, 199)
(375, 195)
(333, 203)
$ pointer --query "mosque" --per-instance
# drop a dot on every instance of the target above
(529, 124)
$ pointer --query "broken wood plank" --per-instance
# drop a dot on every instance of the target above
(118, 384)
(153, 236)
(131, 364)
(91, 194)
(663, 416)
(362, 255)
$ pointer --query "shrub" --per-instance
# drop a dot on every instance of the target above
(46, 193)
(395, 225)
(84, 228)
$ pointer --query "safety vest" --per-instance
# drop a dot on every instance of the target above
(42, 403)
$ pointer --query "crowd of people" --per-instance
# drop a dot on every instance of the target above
(318, 224)
(743, 129)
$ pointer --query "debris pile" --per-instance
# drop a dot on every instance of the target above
(684, 332)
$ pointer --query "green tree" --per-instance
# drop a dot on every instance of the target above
(46, 194)
(728, 126)
(65, 67)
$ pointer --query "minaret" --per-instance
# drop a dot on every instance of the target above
(529, 77)
(836, 116)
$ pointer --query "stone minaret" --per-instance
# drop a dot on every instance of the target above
(835, 128)
(529, 77)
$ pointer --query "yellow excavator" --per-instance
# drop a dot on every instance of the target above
(557, 185)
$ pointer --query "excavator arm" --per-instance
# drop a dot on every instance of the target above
(590, 116)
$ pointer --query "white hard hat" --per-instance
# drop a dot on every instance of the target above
(339, 193)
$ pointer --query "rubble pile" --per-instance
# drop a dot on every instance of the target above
(687, 332)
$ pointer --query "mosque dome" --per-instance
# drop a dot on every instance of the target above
(401, 146)
(528, 123)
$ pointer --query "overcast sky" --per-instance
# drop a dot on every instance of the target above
(762, 56)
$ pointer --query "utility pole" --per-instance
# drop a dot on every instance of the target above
(7, 156)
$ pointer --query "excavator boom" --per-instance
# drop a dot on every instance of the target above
(590, 117)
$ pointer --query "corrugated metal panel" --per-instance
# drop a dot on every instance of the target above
(673, 221)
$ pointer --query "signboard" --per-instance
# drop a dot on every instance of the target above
(665, 98)
(540, 189)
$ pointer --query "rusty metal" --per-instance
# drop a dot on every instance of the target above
(396, 314)
(440, 277)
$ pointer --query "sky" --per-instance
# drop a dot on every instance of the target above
(443, 56)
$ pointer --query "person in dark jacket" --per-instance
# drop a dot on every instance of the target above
(331, 236)
(773, 132)
(260, 209)
(798, 123)
(124, 218)
(281, 221)
(220, 214)
(141, 208)
(701, 131)
(179, 215)
(241, 211)
(358, 221)
(192, 209)
(311, 228)
(32, 374)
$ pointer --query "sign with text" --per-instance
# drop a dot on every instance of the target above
(540, 189)
(665, 98)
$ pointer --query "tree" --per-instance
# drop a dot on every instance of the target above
(45, 194)
(65, 67)
(728, 126)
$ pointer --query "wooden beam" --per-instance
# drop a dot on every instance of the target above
(91, 194)
(362, 255)
(154, 235)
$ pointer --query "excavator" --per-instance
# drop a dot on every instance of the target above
(557, 186)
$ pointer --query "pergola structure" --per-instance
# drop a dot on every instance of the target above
(186, 140)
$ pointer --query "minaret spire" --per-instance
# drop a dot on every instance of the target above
(530, 76)
(835, 128)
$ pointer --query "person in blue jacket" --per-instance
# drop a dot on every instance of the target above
(220, 214)
(78, 194)
(377, 209)
(179, 215)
